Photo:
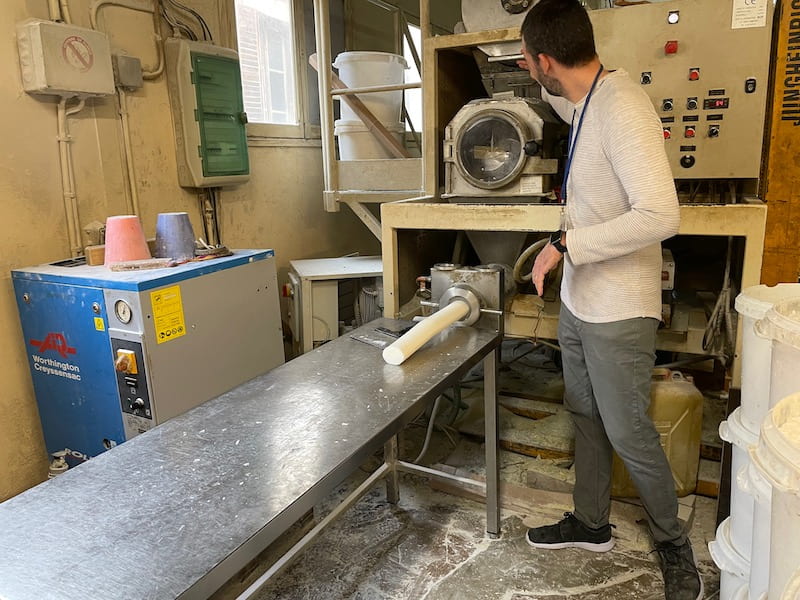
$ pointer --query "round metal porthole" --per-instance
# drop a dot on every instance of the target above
(490, 149)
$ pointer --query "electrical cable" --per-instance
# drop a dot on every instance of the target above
(327, 328)
(203, 212)
(204, 26)
(178, 25)
(429, 431)
(719, 333)
(357, 311)
(215, 206)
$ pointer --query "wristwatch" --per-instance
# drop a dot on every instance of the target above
(555, 240)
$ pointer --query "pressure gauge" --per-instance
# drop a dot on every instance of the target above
(123, 311)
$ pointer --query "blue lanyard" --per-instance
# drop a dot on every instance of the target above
(573, 143)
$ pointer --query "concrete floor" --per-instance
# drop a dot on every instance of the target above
(432, 545)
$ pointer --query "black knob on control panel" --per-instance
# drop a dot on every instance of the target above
(691, 103)
(646, 78)
(667, 104)
(687, 161)
(532, 148)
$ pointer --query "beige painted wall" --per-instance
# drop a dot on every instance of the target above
(280, 208)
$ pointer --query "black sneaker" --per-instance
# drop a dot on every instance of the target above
(571, 533)
(681, 579)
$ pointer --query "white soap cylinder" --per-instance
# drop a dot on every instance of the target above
(424, 331)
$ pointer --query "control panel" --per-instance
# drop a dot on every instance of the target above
(134, 393)
(705, 66)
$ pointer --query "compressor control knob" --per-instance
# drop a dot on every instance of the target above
(532, 148)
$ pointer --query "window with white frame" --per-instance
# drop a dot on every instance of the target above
(275, 37)
(413, 97)
(266, 35)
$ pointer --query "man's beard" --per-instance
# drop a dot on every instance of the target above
(550, 84)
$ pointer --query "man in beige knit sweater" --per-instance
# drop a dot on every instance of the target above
(620, 203)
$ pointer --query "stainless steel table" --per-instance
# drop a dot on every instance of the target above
(177, 511)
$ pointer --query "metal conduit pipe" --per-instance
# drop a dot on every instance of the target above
(322, 34)
(140, 6)
(65, 14)
(54, 10)
(128, 150)
(71, 170)
(68, 175)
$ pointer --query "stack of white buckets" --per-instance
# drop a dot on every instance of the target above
(369, 69)
(758, 547)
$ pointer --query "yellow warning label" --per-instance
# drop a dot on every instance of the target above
(168, 314)
(99, 324)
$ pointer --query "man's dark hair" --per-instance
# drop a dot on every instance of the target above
(561, 29)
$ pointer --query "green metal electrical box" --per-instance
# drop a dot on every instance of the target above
(208, 113)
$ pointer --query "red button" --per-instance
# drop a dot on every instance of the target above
(671, 47)
(694, 74)
(690, 132)
(667, 134)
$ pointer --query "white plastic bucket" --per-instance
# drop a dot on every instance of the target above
(782, 326)
(741, 593)
(753, 304)
(792, 591)
(368, 69)
(777, 457)
(734, 568)
(742, 503)
(357, 142)
(761, 490)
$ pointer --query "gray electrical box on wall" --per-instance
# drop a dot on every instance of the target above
(205, 91)
(64, 60)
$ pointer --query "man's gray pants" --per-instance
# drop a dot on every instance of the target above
(607, 373)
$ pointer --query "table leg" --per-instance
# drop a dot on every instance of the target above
(390, 453)
(490, 419)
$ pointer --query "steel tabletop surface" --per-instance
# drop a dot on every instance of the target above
(176, 511)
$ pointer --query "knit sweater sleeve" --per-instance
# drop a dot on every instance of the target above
(632, 141)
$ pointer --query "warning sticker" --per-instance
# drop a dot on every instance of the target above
(78, 53)
(99, 324)
(168, 314)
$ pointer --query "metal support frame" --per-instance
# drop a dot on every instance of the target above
(285, 560)
(390, 471)
(358, 182)
(322, 34)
